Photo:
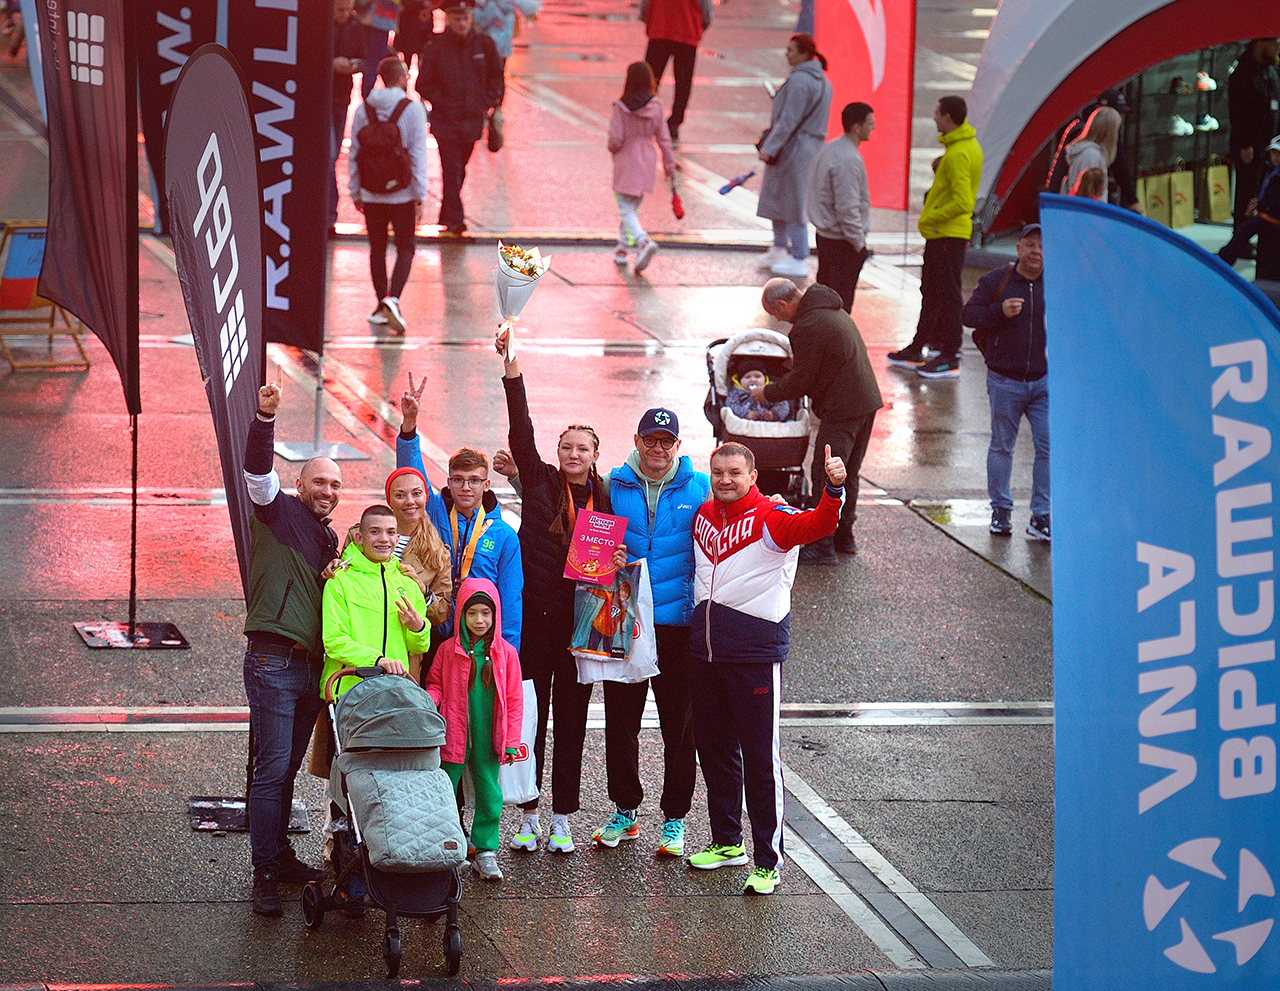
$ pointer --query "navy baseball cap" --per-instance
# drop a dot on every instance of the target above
(657, 421)
(1030, 229)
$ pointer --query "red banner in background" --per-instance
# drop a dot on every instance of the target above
(870, 45)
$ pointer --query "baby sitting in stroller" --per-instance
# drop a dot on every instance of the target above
(754, 372)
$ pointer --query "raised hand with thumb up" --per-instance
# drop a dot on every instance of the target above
(836, 473)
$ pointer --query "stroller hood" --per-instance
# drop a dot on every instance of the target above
(758, 342)
(389, 712)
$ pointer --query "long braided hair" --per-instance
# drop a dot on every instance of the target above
(562, 525)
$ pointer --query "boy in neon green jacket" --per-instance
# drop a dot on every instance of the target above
(373, 613)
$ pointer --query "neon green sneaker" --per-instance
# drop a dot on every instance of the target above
(719, 855)
(528, 835)
(621, 826)
(672, 838)
(561, 840)
(762, 881)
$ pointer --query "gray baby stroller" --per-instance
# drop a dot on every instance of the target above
(779, 446)
(397, 844)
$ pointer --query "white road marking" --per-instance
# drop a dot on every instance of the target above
(848, 901)
(889, 876)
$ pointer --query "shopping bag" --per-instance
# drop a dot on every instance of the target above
(1217, 180)
(1153, 192)
(519, 779)
(1182, 198)
(613, 638)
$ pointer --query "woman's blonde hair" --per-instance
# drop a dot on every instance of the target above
(426, 545)
(1103, 128)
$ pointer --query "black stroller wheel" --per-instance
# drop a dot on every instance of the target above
(313, 905)
(452, 949)
(391, 952)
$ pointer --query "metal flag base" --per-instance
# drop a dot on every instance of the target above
(305, 452)
(216, 814)
(144, 636)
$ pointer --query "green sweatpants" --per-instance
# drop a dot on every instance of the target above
(484, 768)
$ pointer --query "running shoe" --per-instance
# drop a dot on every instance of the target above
(379, 315)
(1001, 524)
(795, 268)
(719, 855)
(940, 367)
(486, 866)
(647, 251)
(672, 838)
(526, 838)
(621, 826)
(771, 257)
(620, 256)
(395, 320)
(763, 881)
(908, 357)
(561, 840)
(1039, 528)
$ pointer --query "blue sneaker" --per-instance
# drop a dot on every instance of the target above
(672, 839)
(621, 826)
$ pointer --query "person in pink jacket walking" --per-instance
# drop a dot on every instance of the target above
(475, 683)
(636, 124)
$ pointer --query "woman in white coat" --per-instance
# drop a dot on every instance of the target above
(797, 130)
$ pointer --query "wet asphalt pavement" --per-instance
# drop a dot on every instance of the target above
(939, 816)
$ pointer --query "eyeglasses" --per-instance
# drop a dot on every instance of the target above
(653, 440)
(458, 482)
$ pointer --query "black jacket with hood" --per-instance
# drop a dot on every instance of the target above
(830, 363)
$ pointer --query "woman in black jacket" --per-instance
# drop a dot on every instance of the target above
(552, 495)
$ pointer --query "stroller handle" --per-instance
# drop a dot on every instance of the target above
(333, 679)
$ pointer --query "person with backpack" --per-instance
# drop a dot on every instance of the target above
(1006, 311)
(388, 169)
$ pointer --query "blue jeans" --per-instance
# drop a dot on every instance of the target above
(793, 234)
(284, 700)
(1011, 400)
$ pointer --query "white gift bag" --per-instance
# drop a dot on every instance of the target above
(519, 779)
(641, 653)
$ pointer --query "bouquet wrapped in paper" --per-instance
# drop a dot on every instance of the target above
(516, 276)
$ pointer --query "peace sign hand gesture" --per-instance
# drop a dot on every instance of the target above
(410, 404)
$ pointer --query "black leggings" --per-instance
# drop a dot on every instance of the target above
(545, 657)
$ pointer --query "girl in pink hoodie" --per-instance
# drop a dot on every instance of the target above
(637, 122)
(475, 683)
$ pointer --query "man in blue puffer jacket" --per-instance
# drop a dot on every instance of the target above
(659, 493)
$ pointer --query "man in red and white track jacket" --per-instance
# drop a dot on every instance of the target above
(745, 551)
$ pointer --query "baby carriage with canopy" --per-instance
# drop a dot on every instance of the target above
(398, 830)
(779, 446)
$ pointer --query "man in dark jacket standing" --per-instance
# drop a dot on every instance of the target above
(1007, 312)
(460, 75)
(1253, 102)
(348, 59)
(831, 367)
(292, 551)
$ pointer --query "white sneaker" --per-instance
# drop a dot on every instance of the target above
(771, 257)
(561, 840)
(620, 256)
(379, 315)
(394, 318)
(647, 251)
(791, 266)
(486, 866)
(529, 833)
(1180, 127)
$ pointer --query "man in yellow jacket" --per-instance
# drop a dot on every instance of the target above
(947, 224)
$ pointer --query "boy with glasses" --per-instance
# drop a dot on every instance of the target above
(467, 517)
